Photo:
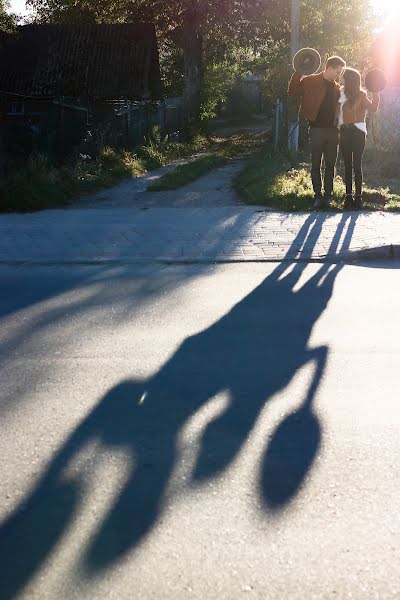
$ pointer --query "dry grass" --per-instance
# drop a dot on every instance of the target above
(271, 179)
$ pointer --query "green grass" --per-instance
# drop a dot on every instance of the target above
(382, 180)
(184, 174)
(39, 184)
(271, 179)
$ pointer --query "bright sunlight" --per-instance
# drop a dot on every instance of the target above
(386, 8)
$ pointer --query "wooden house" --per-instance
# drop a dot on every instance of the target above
(59, 82)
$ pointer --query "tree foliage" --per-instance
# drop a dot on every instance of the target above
(339, 27)
(225, 25)
(199, 39)
(237, 35)
(7, 21)
(332, 27)
(239, 19)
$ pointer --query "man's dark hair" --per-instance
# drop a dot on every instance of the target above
(334, 62)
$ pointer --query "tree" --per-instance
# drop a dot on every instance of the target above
(199, 35)
(333, 27)
(7, 25)
(7, 20)
(189, 23)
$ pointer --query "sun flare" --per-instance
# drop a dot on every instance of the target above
(387, 9)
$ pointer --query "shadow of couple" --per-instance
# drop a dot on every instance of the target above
(251, 353)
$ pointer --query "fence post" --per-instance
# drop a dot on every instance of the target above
(293, 136)
(162, 118)
(276, 129)
(293, 128)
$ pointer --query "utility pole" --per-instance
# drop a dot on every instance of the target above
(193, 68)
(293, 133)
(295, 28)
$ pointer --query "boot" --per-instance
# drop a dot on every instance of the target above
(358, 201)
(326, 200)
(317, 202)
(348, 202)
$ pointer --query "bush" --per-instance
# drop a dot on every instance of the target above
(41, 185)
(37, 186)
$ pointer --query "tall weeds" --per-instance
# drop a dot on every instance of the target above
(41, 185)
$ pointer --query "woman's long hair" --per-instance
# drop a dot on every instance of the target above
(352, 84)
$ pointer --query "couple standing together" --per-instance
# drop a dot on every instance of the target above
(335, 111)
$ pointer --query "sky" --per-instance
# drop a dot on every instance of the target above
(18, 6)
(386, 6)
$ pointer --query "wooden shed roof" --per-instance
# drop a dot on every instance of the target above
(97, 61)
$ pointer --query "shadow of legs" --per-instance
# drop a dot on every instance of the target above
(135, 511)
(31, 534)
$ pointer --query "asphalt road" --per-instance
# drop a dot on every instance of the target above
(200, 432)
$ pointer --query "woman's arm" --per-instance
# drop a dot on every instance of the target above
(373, 104)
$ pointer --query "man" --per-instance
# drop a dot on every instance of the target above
(319, 100)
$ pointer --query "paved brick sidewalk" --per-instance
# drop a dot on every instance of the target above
(191, 234)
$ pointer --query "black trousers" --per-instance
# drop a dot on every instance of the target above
(324, 143)
(352, 145)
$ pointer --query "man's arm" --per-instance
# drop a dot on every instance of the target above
(295, 87)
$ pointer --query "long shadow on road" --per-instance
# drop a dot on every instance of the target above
(251, 353)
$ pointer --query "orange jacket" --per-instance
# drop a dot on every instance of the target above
(357, 112)
(311, 90)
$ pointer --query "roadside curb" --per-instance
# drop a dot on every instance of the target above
(385, 253)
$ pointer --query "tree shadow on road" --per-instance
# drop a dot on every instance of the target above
(251, 353)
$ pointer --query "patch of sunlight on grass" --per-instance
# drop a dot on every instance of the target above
(271, 180)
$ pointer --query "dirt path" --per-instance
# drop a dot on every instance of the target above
(213, 189)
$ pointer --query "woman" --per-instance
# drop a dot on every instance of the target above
(353, 106)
